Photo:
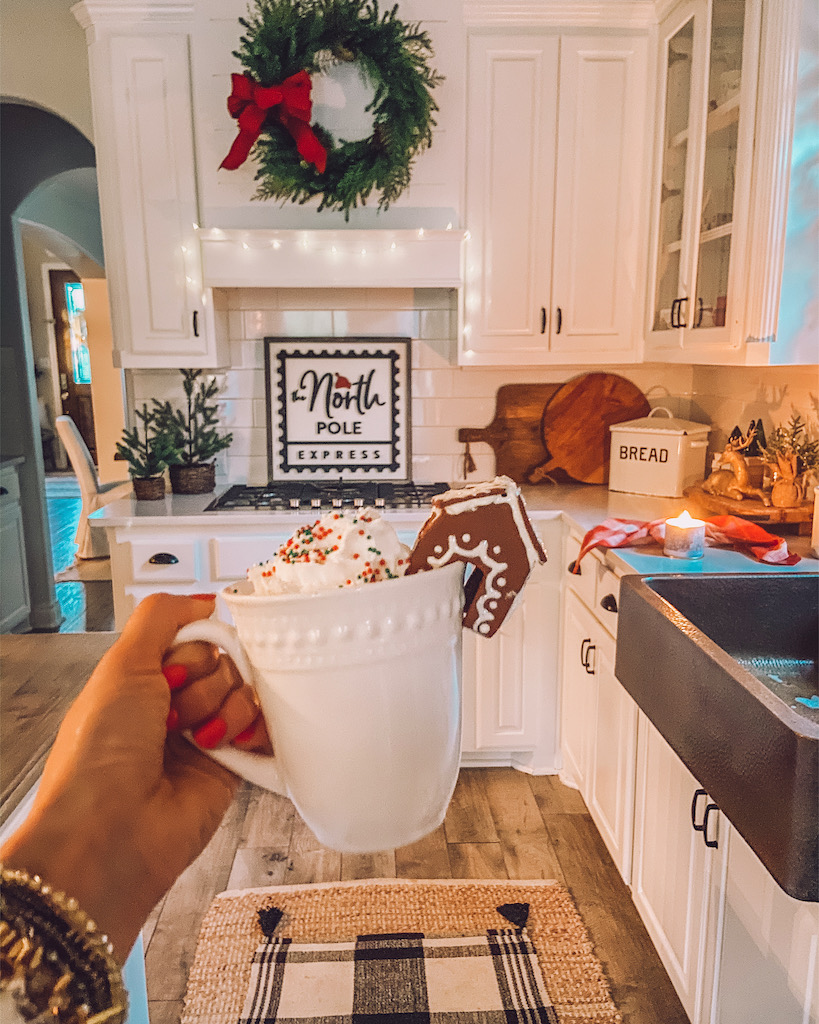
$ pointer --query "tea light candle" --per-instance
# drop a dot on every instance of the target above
(684, 537)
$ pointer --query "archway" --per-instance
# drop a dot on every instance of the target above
(36, 148)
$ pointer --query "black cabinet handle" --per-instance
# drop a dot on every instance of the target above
(700, 308)
(583, 650)
(542, 319)
(163, 558)
(674, 306)
(196, 323)
(711, 843)
(609, 603)
(680, 321)
(697, 794)
(587, 648)
(571, 567)
(559, 320)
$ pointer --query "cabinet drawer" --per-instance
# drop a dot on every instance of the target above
(161, 560)
(231, 556)
(584, 584)
(607, 599)
(9, 486)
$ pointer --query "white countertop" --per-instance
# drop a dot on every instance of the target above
(582, 506)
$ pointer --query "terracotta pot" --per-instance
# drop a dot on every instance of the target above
(787, 493)
(199, 479)
(149, 488)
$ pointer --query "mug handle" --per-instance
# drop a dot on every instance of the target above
(260, 769)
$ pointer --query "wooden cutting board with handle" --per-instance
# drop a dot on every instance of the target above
(515, 432)
(575, 426)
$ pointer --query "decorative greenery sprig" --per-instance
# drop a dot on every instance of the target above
(191, 430)
(791, 442)
(149, 454)
(283, 37)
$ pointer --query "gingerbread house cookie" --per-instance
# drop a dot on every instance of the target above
(486, 525)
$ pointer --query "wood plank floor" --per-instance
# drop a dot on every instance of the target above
(500, 824)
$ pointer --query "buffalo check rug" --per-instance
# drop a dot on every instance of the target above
(387, 951)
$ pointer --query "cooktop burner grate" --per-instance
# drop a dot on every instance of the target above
(286, 496)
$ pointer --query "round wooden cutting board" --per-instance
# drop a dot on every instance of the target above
(576, 421)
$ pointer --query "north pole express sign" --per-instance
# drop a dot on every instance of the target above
(338, 408)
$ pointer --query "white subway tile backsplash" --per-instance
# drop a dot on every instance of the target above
(444, 395)
(435, 324)
(306, 323)
(435, 298)
(236, 412)
(375, 323)
(244, 383)
(435, 440)
(434, 355)
(460, 412)
(433, 467)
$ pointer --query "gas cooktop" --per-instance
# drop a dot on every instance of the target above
(291, 495)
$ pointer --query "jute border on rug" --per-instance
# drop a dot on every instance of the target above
(336, 911)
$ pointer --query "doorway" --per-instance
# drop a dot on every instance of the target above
(73, 357)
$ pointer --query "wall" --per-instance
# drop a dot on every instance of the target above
(444, 396)
(734, 395)
(44, 59)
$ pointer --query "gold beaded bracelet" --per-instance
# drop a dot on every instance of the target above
(53, 960)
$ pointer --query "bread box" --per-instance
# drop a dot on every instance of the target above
(657, 454)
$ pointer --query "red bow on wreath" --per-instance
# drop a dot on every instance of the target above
(249, 103)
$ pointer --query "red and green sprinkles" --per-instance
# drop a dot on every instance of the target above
(316, 544)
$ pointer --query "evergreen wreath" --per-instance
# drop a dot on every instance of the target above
(284, 39)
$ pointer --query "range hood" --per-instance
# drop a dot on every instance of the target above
(405, 258)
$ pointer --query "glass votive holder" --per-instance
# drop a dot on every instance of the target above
(684, 537)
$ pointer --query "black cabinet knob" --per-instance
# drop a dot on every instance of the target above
(609, 603)
(571, 567)
(163, 558)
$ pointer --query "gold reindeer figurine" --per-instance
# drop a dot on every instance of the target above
(735, 482)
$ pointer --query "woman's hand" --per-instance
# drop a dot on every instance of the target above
(125, 803)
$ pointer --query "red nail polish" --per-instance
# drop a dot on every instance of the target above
(203, 597)
(243, 737)
(211, 733)
(172, 721)
(176, 675)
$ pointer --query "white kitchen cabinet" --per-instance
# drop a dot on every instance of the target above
(735, 945)
(769, 949)
(556, 153)
(578, 693)
(598, 717)
(15, 602)
(162, 316)
(509, 675)
(676, 878)
(710, 58)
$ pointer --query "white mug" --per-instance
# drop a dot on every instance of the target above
(361, 692)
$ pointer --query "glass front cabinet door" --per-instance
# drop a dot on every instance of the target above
(709, 57)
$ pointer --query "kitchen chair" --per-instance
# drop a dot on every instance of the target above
(90, 543)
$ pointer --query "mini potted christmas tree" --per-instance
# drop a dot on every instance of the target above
(193, 434)
(147, 455)
(792, 456)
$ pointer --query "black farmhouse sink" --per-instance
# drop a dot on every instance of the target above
(716, 663)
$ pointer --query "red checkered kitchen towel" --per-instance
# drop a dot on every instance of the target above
(720, 531)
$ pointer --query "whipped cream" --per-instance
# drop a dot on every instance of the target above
(342, 549)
